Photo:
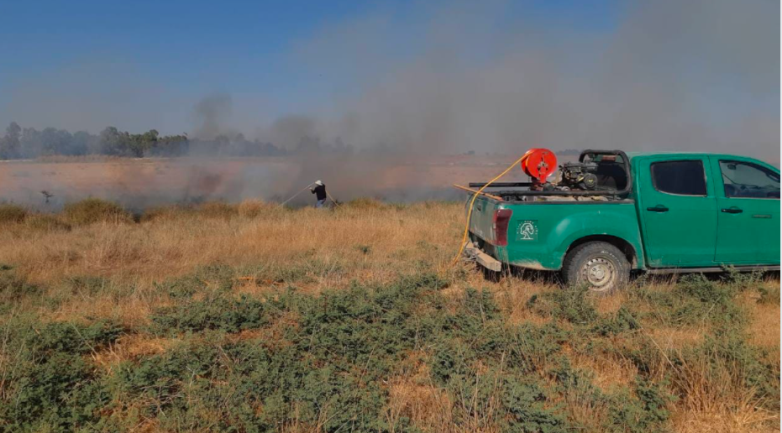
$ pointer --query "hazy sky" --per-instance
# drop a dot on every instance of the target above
(439, 76)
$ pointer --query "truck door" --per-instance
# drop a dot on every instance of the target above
(677, 208)
(747, 212)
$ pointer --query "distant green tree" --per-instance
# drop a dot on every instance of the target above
(111, 142)
(30, 143)
(170, 145)
(55, 142)
(10, 144)
(140, 144)
(82, 143)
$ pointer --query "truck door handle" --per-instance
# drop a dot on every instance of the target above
(732, 209)
(658, 208)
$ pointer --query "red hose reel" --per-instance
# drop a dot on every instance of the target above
(539, 163)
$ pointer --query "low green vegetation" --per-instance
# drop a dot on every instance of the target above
(287, 360)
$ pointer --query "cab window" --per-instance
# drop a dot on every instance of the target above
(683, 177)
(748, 180)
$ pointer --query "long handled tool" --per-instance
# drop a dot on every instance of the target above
(332, 199)
(294, 195)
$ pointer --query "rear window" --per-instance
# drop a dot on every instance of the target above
(679, 177)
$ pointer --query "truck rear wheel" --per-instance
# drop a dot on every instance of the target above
(599, 265)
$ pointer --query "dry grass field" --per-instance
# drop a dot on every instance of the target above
(253, 317)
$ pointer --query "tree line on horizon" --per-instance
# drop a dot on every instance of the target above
(29, 143)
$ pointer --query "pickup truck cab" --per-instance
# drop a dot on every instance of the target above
(654, 212)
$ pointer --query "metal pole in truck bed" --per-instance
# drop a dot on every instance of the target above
(463, 188)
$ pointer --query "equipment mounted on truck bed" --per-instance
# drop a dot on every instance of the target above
(598, 174)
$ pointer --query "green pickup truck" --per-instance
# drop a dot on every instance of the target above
(614, 212)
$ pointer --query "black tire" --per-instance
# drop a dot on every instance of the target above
(598, 265)
(490, 275)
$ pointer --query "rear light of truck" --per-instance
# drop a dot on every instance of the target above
(500, 226)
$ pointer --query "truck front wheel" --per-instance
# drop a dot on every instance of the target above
(598, 265)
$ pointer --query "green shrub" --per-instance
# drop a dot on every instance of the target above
(571, 304)
(60, 394)
(14, 289)
(730, 351)
(526, 405)
(530, 346)
(452, 360)
(213, 313)
(481, 303)
(575, 384)
(73, 338)
(769, 295)
(742, 280)
(694, 300)
(10, 213)
(50, 385)
(698, 287)
(623, 320)
(93, 210)
(233, 381)
(327, 360)
(643, 411)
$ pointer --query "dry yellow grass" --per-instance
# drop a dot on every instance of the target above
(181, 241)
(368, 242)
(129, 348)
(609, 372)
(764, 326)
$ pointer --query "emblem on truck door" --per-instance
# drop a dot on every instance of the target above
(527, 231)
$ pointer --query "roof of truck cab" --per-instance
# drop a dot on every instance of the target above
(632, 155)
(722, 156)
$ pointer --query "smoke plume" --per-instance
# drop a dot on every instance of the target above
(666, 75)
(379, 93)
(211, 113)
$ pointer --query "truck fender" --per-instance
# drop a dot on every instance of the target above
(609, 226)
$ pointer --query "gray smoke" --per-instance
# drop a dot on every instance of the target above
(696, 75)
(211, 113)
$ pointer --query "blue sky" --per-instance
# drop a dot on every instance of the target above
(605, 70)
(193, 48)
(178, 41)
(178, 38)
